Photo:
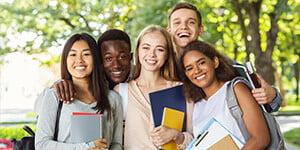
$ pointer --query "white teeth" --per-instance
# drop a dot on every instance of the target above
(184, 35)
(200, 77)
(80, 67)
(151, 61)
(116, 73)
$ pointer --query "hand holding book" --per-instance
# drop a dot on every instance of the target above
(256, 84)
(249, 73)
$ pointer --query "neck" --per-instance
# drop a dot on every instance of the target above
(150, 78)
(82, 91)
(179, 51)
(211, 90)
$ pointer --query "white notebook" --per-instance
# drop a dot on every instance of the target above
(212, 133)
(86, 127)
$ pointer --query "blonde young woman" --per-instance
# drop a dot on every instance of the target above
(155, 70)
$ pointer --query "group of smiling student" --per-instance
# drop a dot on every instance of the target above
(202, 70)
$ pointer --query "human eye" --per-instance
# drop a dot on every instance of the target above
(108, 58)
(123, 56)
(145, 47)
(188, 69)
(161, 49)
(87, 54)
(72, 54)
(176, 22)
(192, 22)
(201, 63)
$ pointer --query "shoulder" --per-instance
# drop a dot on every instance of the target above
(116, 88)
(50, 93)
(174, 83)
(114, 97)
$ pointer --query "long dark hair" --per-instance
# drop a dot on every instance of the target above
(97, 84)
(224, 72)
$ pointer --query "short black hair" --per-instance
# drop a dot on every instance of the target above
(114, 34)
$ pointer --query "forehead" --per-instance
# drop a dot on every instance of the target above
(115, 46)
(79, 45)
(154, 38)
(192, 56)
(184, 13)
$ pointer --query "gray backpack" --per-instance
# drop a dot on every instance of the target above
(277, 142)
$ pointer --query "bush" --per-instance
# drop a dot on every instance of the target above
(16, 131)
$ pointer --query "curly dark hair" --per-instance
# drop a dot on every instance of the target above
(224, 71)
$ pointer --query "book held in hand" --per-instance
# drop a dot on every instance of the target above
(173, 119)
(172, 98)
(249, 73)
(86, 127)
(214, 135)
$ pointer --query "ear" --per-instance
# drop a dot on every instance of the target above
(168, 29)
(201, 30)
(216, 62)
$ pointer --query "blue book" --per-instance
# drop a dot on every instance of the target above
(172, 98)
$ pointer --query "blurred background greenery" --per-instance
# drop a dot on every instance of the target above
(266, 32)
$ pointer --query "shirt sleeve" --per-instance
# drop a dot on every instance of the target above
(276, 103)
(38, 102)
(46, 124)
(117, 139)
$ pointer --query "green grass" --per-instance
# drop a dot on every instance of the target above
(293, 137)
(291, 109)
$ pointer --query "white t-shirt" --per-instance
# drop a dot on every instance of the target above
(215, 107)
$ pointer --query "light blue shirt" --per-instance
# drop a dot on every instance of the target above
(112, 127)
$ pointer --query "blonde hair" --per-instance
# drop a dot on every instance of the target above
(168, 70)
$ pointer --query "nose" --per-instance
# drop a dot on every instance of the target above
(116, 63)
(184, 25)
(197, 69)
(152, 53)
(80, 59)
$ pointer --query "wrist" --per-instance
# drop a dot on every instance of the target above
(274, 94)
(178, 138)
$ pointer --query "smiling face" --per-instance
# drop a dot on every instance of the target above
(200, 69)
(116, 58)
(80, 60)
(152, 51)
(184, 27)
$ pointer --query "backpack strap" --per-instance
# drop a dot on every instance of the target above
(57, 120)
(123, 91)
(234, 107)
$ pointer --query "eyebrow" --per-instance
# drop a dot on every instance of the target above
(165, 47)
(195, 61)
(82, 50)
(120, 52)
(190, 18)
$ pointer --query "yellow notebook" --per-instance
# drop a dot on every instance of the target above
(173, 119)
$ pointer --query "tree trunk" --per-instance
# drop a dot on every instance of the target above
(263, 59)
(297, 74)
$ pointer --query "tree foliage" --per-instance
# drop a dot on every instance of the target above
(266, 32)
